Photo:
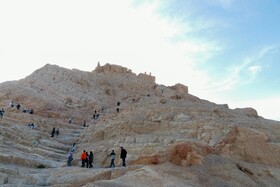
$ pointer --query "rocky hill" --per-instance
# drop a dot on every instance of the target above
(172, 137)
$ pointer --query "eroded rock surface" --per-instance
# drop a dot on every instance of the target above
(172, 137)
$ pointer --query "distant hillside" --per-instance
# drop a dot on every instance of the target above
(172, 137)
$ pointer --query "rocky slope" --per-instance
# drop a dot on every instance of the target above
(172, 137)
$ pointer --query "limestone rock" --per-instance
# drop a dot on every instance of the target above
(172, 138)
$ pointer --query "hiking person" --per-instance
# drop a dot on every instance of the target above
(83, 158)
(84, 124)
(73, 149)
(2, 113)
(90, 159)
(53, 131)
(118, 110)
(87, 159)
(57, 131)
(95, 115)
(70, 120)
(31, 125)
(70, 158)
(31, 111)
(12, 104)
(18, 106)
(123, 156)
(113, 156)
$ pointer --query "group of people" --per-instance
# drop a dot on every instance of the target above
(18, 106)
(87, 159)
(122, 156)
(55, 132)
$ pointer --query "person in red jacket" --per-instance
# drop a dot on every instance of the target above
(83, 158)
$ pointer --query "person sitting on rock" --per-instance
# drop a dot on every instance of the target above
(31, 125)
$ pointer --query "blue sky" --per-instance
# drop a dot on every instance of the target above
(225, 51)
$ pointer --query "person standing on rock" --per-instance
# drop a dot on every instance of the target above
(90, 159)
(57, 131)
(73, 149)
(2, 113)
(113, 156)
(53, 131)
(123, 156)
(83, 158)
(70, 158)
(87, 159)
(12, 104)
(18, 106)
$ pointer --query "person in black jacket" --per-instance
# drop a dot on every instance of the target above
(123, 156)
(90, 159)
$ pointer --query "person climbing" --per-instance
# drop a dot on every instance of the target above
(113, 156)
(12, 104)
(24, 110)
(90, 159)
(2, 113)
(57, 131)
(118, 110)
(83, 158)
(123, 156)
(53, 132)
(70, 158)
(73, 149)
(31, 125)
(18, 106)
(84, 124)
(95, 115)
(87, 159)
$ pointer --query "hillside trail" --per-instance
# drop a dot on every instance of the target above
(29, 147)
(25, 148)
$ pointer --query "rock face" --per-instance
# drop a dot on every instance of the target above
(172, 137)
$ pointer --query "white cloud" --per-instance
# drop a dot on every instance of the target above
(238, 73)
(254, 69)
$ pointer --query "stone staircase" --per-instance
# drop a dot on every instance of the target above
(25, 150)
